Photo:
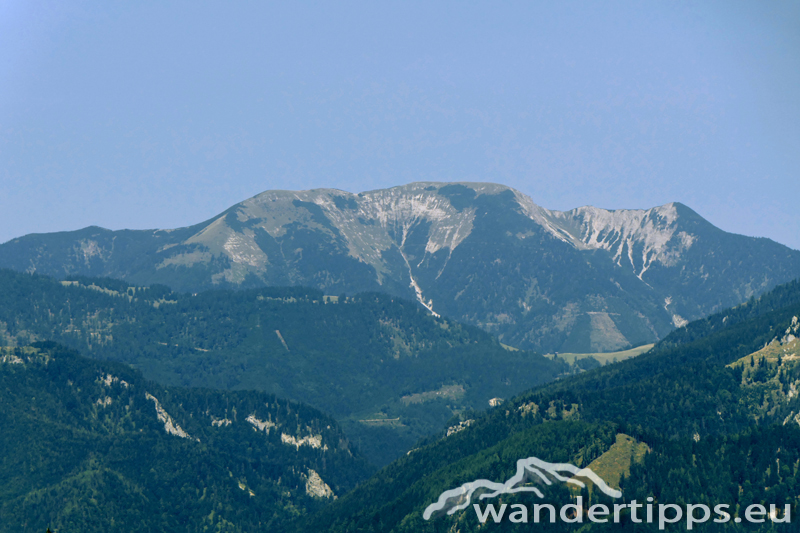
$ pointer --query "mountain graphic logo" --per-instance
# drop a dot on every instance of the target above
(529, 470)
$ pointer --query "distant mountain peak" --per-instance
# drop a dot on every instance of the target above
(587, 279)
(652, 234)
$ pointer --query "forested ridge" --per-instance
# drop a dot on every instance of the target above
(91, 446)
(363, 357)
(721, 426)
(715, 404)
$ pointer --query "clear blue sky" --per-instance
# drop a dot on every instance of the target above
(162, 114)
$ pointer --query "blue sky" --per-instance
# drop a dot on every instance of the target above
(163, 114)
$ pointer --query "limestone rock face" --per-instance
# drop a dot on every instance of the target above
(316, 487)
(584, 280)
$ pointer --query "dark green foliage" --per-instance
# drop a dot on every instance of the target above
(716, 434)
(395, 498)
(683, 385)
(587, 363)
(762, 461)
(354, 359)
(84, 450)
(758, 466)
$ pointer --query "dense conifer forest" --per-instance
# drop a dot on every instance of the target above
(710, 415)
(720, 426)
(366, 357)
(92, 446)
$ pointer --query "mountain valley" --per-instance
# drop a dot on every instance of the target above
(384, 367)
(715, 403)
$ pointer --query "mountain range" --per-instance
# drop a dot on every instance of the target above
(328, 330)
(584, 280)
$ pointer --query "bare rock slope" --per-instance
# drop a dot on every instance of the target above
(588, 279)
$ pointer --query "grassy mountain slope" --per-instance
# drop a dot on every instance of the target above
(377, 363)
(719, 428)
(92, 446)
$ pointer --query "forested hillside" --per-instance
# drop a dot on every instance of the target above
(91, 446)
(383, 366)
(716, 403)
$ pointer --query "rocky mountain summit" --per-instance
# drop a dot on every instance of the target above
(583, 280)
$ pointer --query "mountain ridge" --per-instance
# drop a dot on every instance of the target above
(375, 362)
(92, 446)
(715, 418)
(583, 280)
